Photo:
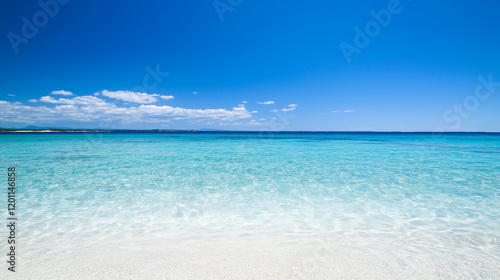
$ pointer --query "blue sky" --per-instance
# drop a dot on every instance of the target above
(433, 65)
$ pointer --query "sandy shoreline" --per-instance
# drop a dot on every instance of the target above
(247, 258)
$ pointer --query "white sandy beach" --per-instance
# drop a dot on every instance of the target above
(248, 258)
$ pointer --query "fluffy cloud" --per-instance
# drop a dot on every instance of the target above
(292, 107)
(11, 95)
(91, 108)
(182, 113)
(131, 96)
(103, 107)
(166, 97)
(62, 92)
(79, 100)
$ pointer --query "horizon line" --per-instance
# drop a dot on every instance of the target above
(223, 130)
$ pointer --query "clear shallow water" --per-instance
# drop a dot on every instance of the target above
(412, 195)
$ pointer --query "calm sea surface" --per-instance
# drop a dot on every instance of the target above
(419, 195)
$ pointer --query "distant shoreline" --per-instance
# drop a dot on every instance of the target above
(7, 130)
(57, 130)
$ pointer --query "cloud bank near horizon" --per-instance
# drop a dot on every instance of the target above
(88, 108)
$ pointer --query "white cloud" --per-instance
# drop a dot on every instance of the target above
(288, 109)
(182, 113)
(194, 92)
(50, 99)
(62, 92)
(90, 108)
(166, 97)
(244, 102)
(292, 107)
(131, 96)
(79, 100)
(266, 102)
(343, 111)
(33, 100)
(11, 95)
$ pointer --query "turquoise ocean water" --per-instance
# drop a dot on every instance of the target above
(419, 195)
